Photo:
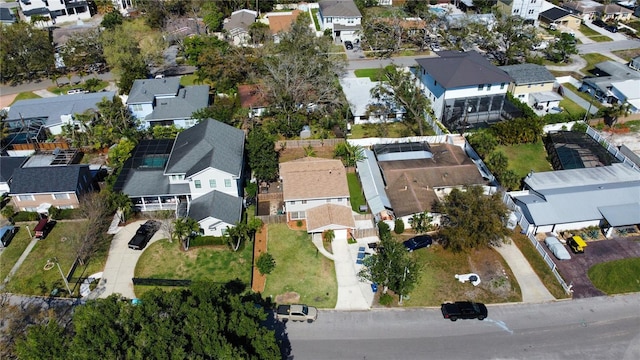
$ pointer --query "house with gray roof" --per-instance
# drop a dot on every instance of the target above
(55, 11)
(165, 102)
(216, 211)
(605, 196)
(51, 114)
(606, 74)
(555, 17)
(8, 164)
(237, 26)
(464, 88)
(533, 85)
(40, 187)
(172, 175)
(342, 17)
(7, 16)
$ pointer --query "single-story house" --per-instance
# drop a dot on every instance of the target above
(557, 17)
(607, 73)
(237, 26)
(627, 91)
(315, 191)
(586, 9)
(606, 196)
(251, 98)
(533, 85)
(280, 22)
(366, 109)
(216, 211)
(635, 63)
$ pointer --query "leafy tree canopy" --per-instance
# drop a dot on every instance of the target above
(204, 321)
(471, 219)
(261, 153)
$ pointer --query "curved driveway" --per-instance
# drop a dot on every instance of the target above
(121, 263)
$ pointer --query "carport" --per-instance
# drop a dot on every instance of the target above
(620, 215)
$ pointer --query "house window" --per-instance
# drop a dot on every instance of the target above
(197, 183)
(502, 86)
(227, 182)
(296, 215)
(304, 202)
(488, 87)
(435, 83)
(530, 11)
(515, 11)
(25, 198)
(329, 20)
(136, 107)
(61, 196)
(212, 183)
(63, 207)
(350, 21)
(533, 1)
(480, 87)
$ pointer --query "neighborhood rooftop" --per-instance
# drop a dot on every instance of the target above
(457, 69)
(37, 180)
(339, 8)
(311, 177)
(524, 74)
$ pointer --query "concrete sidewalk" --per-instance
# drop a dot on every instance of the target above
(18, 263)
(533, 290)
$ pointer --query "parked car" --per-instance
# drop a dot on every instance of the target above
(599, 23)
(577, 244)
(464, 310)
(47, 228)
(435, 47)
(6, 234)
(77, 91)
(348, 45)
(143, 235)
(418, 242)
(611, 28)
(296, 312)
(41, 227)
(557, 248)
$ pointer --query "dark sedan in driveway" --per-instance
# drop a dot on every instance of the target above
(418, 242)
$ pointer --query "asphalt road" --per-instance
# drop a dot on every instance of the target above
(608, 46)
(594, 328)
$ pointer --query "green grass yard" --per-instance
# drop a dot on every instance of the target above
(187, 80)
(526, 157)
(616, 277)
(11, 253)
(374, 74)
(25, 96)
(571, 107)
(355, 191)
(300, 268)
(592, 59)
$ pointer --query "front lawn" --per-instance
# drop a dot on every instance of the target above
(355, 191)
(526, 157)
(167, 260)
(571, 107)
(12, 252)
(616, 277)
(300, 268)
(375, 74)
(187, 80)
(32, 278)
(594, 103)
(438, 284)
(25, 96)
(592, 59)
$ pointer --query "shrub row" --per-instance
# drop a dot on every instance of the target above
(207, 241)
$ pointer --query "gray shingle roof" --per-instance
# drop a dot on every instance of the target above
(218, 205)
(145, 90)
(189, 100)
(524, 74)
(617, 70)
(210, 143)
(54, 107)
(554, 14)
(457, 69)
(49, 179)
(240, 19)
(339, 8)
(144, 182)
(8, 164)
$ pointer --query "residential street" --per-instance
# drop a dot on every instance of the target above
(595, 328)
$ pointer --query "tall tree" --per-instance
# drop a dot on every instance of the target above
(471, 219)
(25, 52)
(401, 90)
(562, 48)
(82, 49)
(261, 154)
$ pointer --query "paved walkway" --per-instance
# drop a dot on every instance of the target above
(577, 63)
(350, 291)
(533, 290)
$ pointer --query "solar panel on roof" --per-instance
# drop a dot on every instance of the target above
(147, 154)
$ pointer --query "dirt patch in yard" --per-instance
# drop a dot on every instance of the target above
(289, 154)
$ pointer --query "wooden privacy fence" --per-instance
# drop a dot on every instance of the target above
(273, 219)
(290, 144)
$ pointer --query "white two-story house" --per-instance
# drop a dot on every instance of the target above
(526, 9)
(165, 102)
(57, 11)
(200, 174)
(315, 192)
(342, 17)
(464, 88)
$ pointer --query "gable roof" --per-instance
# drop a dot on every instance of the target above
(54, 107)
(524, 74)
(329, 216)
(615, 9)
(6, 16)
(8, 164)
(554, 14)
(454, 69)
(188, 100)
(241, 20)
(218, 205)
(313, 178)
(282, 21)
(145, 90)
(411, 183)
(617, 70)
(583, 6)
(339, 8)
(47, 179)
(210, 143)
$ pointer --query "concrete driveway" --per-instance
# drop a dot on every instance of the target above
(121, 263)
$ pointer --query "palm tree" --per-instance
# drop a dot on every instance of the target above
(612, 113)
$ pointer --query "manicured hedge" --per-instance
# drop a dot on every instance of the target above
(207, 241)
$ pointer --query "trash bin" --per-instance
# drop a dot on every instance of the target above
(374, 288)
